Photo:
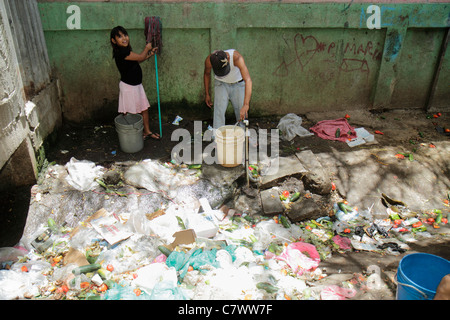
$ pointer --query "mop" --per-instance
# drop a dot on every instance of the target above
(153, 34)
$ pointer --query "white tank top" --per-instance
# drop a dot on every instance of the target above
(235, 73)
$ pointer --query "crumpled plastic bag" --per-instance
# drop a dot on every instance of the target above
(15, 283)
(130, 254)
(198, 259)
(268, 231)
(122, 291)
(243, 254)
(166, 290)
(11, 254)
(33, 266)
(290, 285)
(149, 276)
(335, 292)
(82, 174)
(290, 126)
(227, 284)
(342, 242)
(299, 262)
(163, 226)
(156, 177)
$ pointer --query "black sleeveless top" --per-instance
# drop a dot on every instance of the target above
(130, 71)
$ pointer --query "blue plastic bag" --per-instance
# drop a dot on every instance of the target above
(195, 258)
(123, 292)
(165, 290)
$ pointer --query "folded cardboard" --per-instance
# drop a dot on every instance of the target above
(187, 236)
(75, 256)
(155, 214)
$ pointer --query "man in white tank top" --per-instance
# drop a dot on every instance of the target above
(232, 82)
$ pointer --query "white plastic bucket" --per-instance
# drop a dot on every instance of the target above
(230, 145)
(130, 127)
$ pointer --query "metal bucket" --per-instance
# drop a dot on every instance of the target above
(130, 127)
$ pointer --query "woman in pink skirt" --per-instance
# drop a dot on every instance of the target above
(132, 97)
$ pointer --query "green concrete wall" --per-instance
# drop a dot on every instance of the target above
(301, 56)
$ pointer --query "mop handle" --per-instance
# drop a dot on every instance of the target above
(246, 152)
(157, 90)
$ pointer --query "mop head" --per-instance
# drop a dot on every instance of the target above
(153, 32)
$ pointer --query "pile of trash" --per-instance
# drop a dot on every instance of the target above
(187, 248)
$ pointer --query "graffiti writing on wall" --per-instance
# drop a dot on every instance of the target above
(346, 56)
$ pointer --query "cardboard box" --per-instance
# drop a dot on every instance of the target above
(203, 224)
(187, 236)
(205, 221)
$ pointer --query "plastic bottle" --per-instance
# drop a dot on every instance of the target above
(374, 281)
(42, 242)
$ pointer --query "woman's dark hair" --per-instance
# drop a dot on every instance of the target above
(116, 32)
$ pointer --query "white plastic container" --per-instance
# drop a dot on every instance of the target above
(230, 145)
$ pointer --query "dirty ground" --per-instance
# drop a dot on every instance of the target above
(408, 161)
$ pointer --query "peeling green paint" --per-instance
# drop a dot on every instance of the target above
(393, 43)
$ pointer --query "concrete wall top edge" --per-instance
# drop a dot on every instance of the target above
(261, 1)
(96, 15)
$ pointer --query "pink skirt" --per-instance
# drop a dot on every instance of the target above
(132, 99)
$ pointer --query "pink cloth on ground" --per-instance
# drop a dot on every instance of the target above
(132, 99)
(326, 129)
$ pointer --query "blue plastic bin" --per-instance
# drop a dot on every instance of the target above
(419, 274)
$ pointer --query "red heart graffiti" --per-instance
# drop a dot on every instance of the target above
(305, 52)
